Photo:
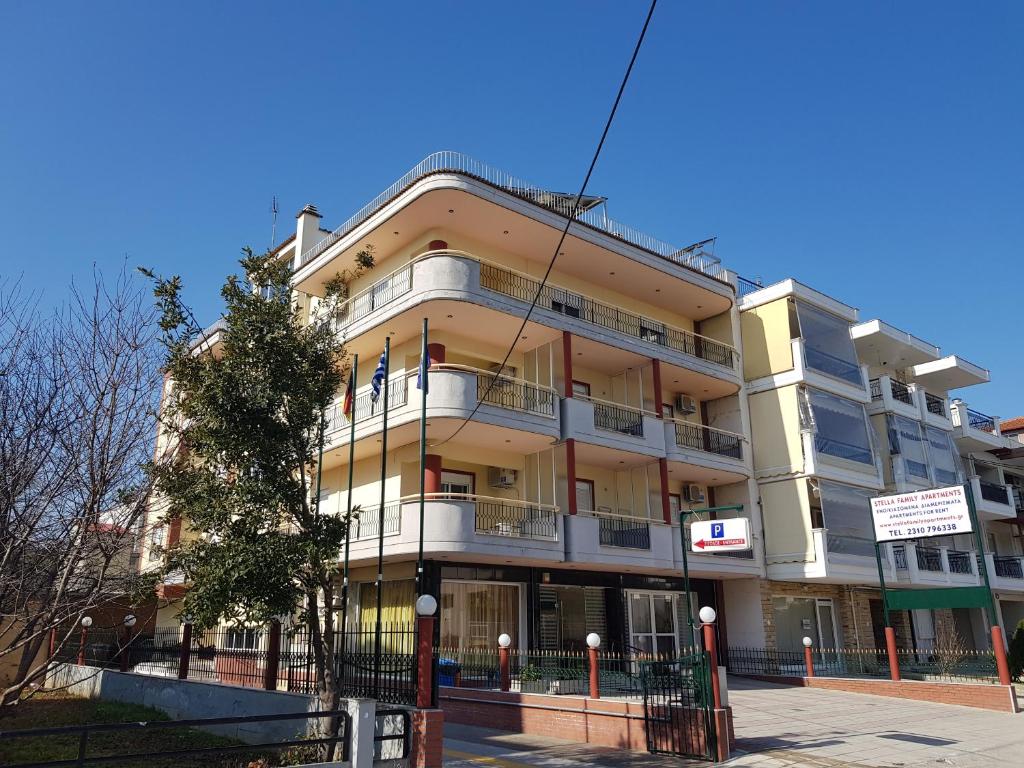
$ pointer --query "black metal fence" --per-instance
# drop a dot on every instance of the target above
(615, 418)
(935, 404)
(701, 438)
(517, 520)
(929, 558)
(389, 677)
(624, 532)
(994, 492)
(516, 395)
(1008, 567)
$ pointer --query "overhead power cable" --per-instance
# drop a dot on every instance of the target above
(565, 230)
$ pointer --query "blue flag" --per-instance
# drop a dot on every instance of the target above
(421, 378)
(378, 377)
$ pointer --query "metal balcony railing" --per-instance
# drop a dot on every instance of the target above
(702, 438)
(1008, 567)
(501, 517)
(693, 257)
(935, 404)
(959, 562)
(929, 559)
(514, 394)
(993, 492)
(625, 532)
(617, 418)
(364, 408)
(745, 286)
(900, 391)
(980, 421)
(876, 389)
(367, 525)
(524, 288)
(899, 557)
(381, 293)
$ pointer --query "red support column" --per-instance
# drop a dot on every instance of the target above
(999, 649)
(504, 668)
(186, 648)
(174, 533)
(659, 398)
(437, 353)
(567, 362)
(426, 749)
(273, 657)
(809, 660)
(432, 478)
(595, 674)
(666, 509)
(437, 245)
(424, 662)
(81, 646)
(570, 471)
(890, 647)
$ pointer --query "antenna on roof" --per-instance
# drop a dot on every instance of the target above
(273, 223)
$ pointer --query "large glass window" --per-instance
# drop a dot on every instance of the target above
(840, 427)
(473, 614)
(800, 617)
(828, 346)
(846, 515)
(944, 459)
(906, 442)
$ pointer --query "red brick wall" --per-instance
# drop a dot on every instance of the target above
(427, 738)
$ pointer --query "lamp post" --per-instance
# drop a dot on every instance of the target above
(86, 623)
(426, 607)
(593, 643)
(504, 661)
(808, 656)
(707, 616)
(129, 621)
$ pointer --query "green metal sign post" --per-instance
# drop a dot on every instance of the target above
(683, 513)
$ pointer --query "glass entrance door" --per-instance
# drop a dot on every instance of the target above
(652, 622)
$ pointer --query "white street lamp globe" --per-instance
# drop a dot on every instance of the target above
(707, 614)
(130, 620)
(87, 621)
(504, 640)
(593, 640)
(426, 605)
(808, 642)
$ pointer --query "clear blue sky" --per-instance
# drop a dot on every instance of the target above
(873, 150)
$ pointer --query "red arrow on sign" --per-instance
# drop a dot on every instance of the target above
(718, 543)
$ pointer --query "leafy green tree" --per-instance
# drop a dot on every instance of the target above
(1016, 654)
(248, 413)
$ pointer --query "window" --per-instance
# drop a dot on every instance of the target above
(455, 482)
(242, 639)
(840, 427)
(828, 346)
(474, 613)
(846, 515)
(585, 495)
(667, 411)
(580, 388)
(157, 539)
(944, 460)
(800, 617)
(906, 442)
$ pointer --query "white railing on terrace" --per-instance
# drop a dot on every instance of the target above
(456, 162)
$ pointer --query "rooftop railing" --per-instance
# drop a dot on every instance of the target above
(978, 420)
(746, 286)
(693, 257)
(935, 404)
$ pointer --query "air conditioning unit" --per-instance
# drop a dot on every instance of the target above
(694, 493)
(501, 477)
(686, 404)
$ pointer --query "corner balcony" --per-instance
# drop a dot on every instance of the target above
(716, 453)
(993, 500)
(623, 542)
(830, 560)
(890, 395)
(612, 425)
(918, 563)
(512, 409)
(456, 276)
(458, 525)
(820, 370)
(1005, 572)
(975, 431)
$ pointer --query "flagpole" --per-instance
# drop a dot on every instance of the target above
(353, 378)
(424, 388)
(380, 520)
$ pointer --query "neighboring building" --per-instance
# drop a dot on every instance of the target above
(842, 411)
(554, 513)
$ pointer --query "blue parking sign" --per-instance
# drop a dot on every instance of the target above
(718, 530)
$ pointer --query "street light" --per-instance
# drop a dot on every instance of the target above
(707, 615)
(504, 640)
(426, 605)
(593, 640)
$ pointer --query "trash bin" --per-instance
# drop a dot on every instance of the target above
(447, 671)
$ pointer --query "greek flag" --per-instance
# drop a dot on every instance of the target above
(421, 378)
(378, 377)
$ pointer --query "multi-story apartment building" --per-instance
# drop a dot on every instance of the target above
(842, 411)
(555, 511)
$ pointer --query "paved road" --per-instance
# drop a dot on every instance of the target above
(783, 727)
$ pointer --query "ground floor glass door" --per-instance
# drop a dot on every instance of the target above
(652, 622)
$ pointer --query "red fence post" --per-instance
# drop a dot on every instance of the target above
(808, 657)
(424, 662)
(123, 656)
(273, 664)
(53, 642)
(504, 664)
(186, 650)
(595, 679)
(1000, 651)
(890, 647)
(86, 623)
(709, 646)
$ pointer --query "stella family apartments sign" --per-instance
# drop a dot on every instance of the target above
(937, 512)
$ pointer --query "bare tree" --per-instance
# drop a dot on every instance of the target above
(78, 399)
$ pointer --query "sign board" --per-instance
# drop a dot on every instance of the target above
(711, 536)
(921, 514)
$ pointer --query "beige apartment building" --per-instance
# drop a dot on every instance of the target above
(841, 411)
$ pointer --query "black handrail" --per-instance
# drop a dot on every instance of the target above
(405, 735)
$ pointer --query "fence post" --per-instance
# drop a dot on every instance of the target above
(707, 616)
(504, 661)
(186, 650)
(999, 649)
(593, 643)
(425, 662)
(53, 642)
(808, 656)
(273, 656)
(86, 623)
(890, 647)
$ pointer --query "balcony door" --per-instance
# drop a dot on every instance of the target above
(455, 482)
(585, 495)
(652, 622)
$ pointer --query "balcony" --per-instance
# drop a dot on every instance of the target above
(830, 559)
(973, 430)
(487, 528)
(620, 541)
(992, 500)
(1005, 572)
(935, 410)
(717, 450)
(917, 563)
(889, 394)
(627, 532)
(612, 425)
(818, 369)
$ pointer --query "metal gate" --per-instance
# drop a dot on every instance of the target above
(677, 706)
